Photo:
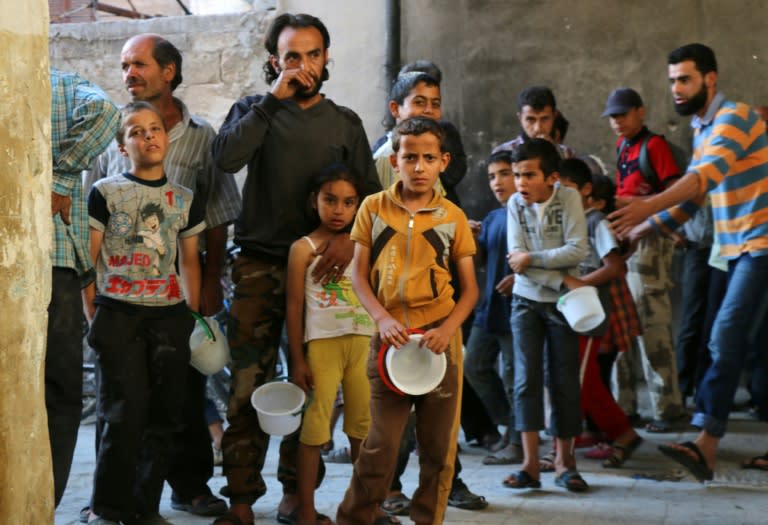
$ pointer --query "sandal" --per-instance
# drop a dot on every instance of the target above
(397, 505)
(521, 480)
(696, 466)
(622, 453)
(571, 481)
(757, 463)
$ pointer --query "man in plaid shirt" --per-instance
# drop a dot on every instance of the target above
(83, 122)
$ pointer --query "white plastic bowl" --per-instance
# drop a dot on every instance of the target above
(415, 370)
(582, 309)
(279, 406)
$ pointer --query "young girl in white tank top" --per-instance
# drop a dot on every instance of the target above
(335, 328)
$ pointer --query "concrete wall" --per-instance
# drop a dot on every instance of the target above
(26, 484)
(223, 55)
(491, 49)
(357, 55)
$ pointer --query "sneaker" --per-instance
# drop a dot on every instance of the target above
(462, 498)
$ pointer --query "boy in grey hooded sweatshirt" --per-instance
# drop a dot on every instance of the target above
(546, 239)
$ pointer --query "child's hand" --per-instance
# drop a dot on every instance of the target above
(392, 332)
(302, 375)
(572, 282)
(504, 287)
(438, 340)
(475, 226)
(519, 261)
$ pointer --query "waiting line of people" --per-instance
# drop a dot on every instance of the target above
(367, 265)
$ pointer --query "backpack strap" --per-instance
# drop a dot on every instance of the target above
(646, 168)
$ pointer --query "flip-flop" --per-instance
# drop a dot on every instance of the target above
(753, 463)
(397, 505)
(698, 467)
(571, 481)
(521, 480)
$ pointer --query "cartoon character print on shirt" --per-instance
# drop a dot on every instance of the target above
(340, 294)
(152, 236)
(140, 245)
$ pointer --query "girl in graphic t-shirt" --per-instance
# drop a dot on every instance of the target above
(328, 317)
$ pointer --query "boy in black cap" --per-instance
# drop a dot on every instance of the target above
(646, 166)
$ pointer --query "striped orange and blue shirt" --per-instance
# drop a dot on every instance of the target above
(730, 157)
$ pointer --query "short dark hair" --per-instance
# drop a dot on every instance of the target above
(542, 149)
(575, 170)
(701, 55)
(128, 110)
(417, 126)
(499, 156)
(402, 87)
(150, 209)
(166, 53)
(603, 188)
(538, 97)
(423, 66)
(296, 21)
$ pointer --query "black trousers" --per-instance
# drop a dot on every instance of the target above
(693, 308)
(191, 463)
(64, 373)
(143, 367)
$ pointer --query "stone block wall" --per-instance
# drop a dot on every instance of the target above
(222, 56)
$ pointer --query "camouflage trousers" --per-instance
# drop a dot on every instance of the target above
(255, 324)
(649, 281)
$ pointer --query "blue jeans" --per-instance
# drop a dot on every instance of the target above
(538, 326)
(480, 359)
(740, 311)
